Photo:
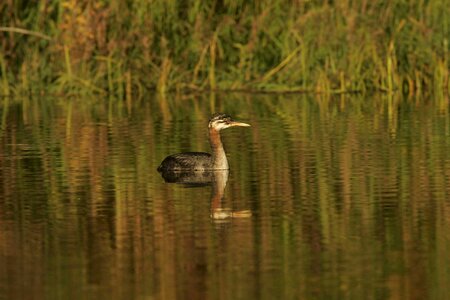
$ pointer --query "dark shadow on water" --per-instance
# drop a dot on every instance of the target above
(218, 182)
(189, 178)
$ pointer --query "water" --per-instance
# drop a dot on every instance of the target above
(344, 198)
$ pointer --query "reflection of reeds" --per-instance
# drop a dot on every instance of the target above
(351, 188)
(166, 45)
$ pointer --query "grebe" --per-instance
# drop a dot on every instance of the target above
(199, 161)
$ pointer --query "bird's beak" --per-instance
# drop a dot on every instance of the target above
(234, 123)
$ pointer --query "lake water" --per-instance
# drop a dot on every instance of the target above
(327, 198)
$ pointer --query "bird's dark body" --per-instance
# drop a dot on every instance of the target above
(187, 161)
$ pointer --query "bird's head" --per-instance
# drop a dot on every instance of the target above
(221, 121)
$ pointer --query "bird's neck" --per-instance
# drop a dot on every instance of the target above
(219, 159)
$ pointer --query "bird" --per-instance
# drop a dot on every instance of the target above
(202, 161)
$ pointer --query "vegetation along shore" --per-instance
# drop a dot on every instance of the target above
(124, 48)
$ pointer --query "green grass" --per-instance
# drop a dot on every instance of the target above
(120, 49)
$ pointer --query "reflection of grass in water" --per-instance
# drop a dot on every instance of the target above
(332, 180)
(168, 45)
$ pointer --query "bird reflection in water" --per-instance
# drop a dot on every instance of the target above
(217, 179)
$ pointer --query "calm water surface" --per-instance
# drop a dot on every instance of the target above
(345, 198)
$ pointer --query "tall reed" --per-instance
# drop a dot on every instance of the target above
(282, 45)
